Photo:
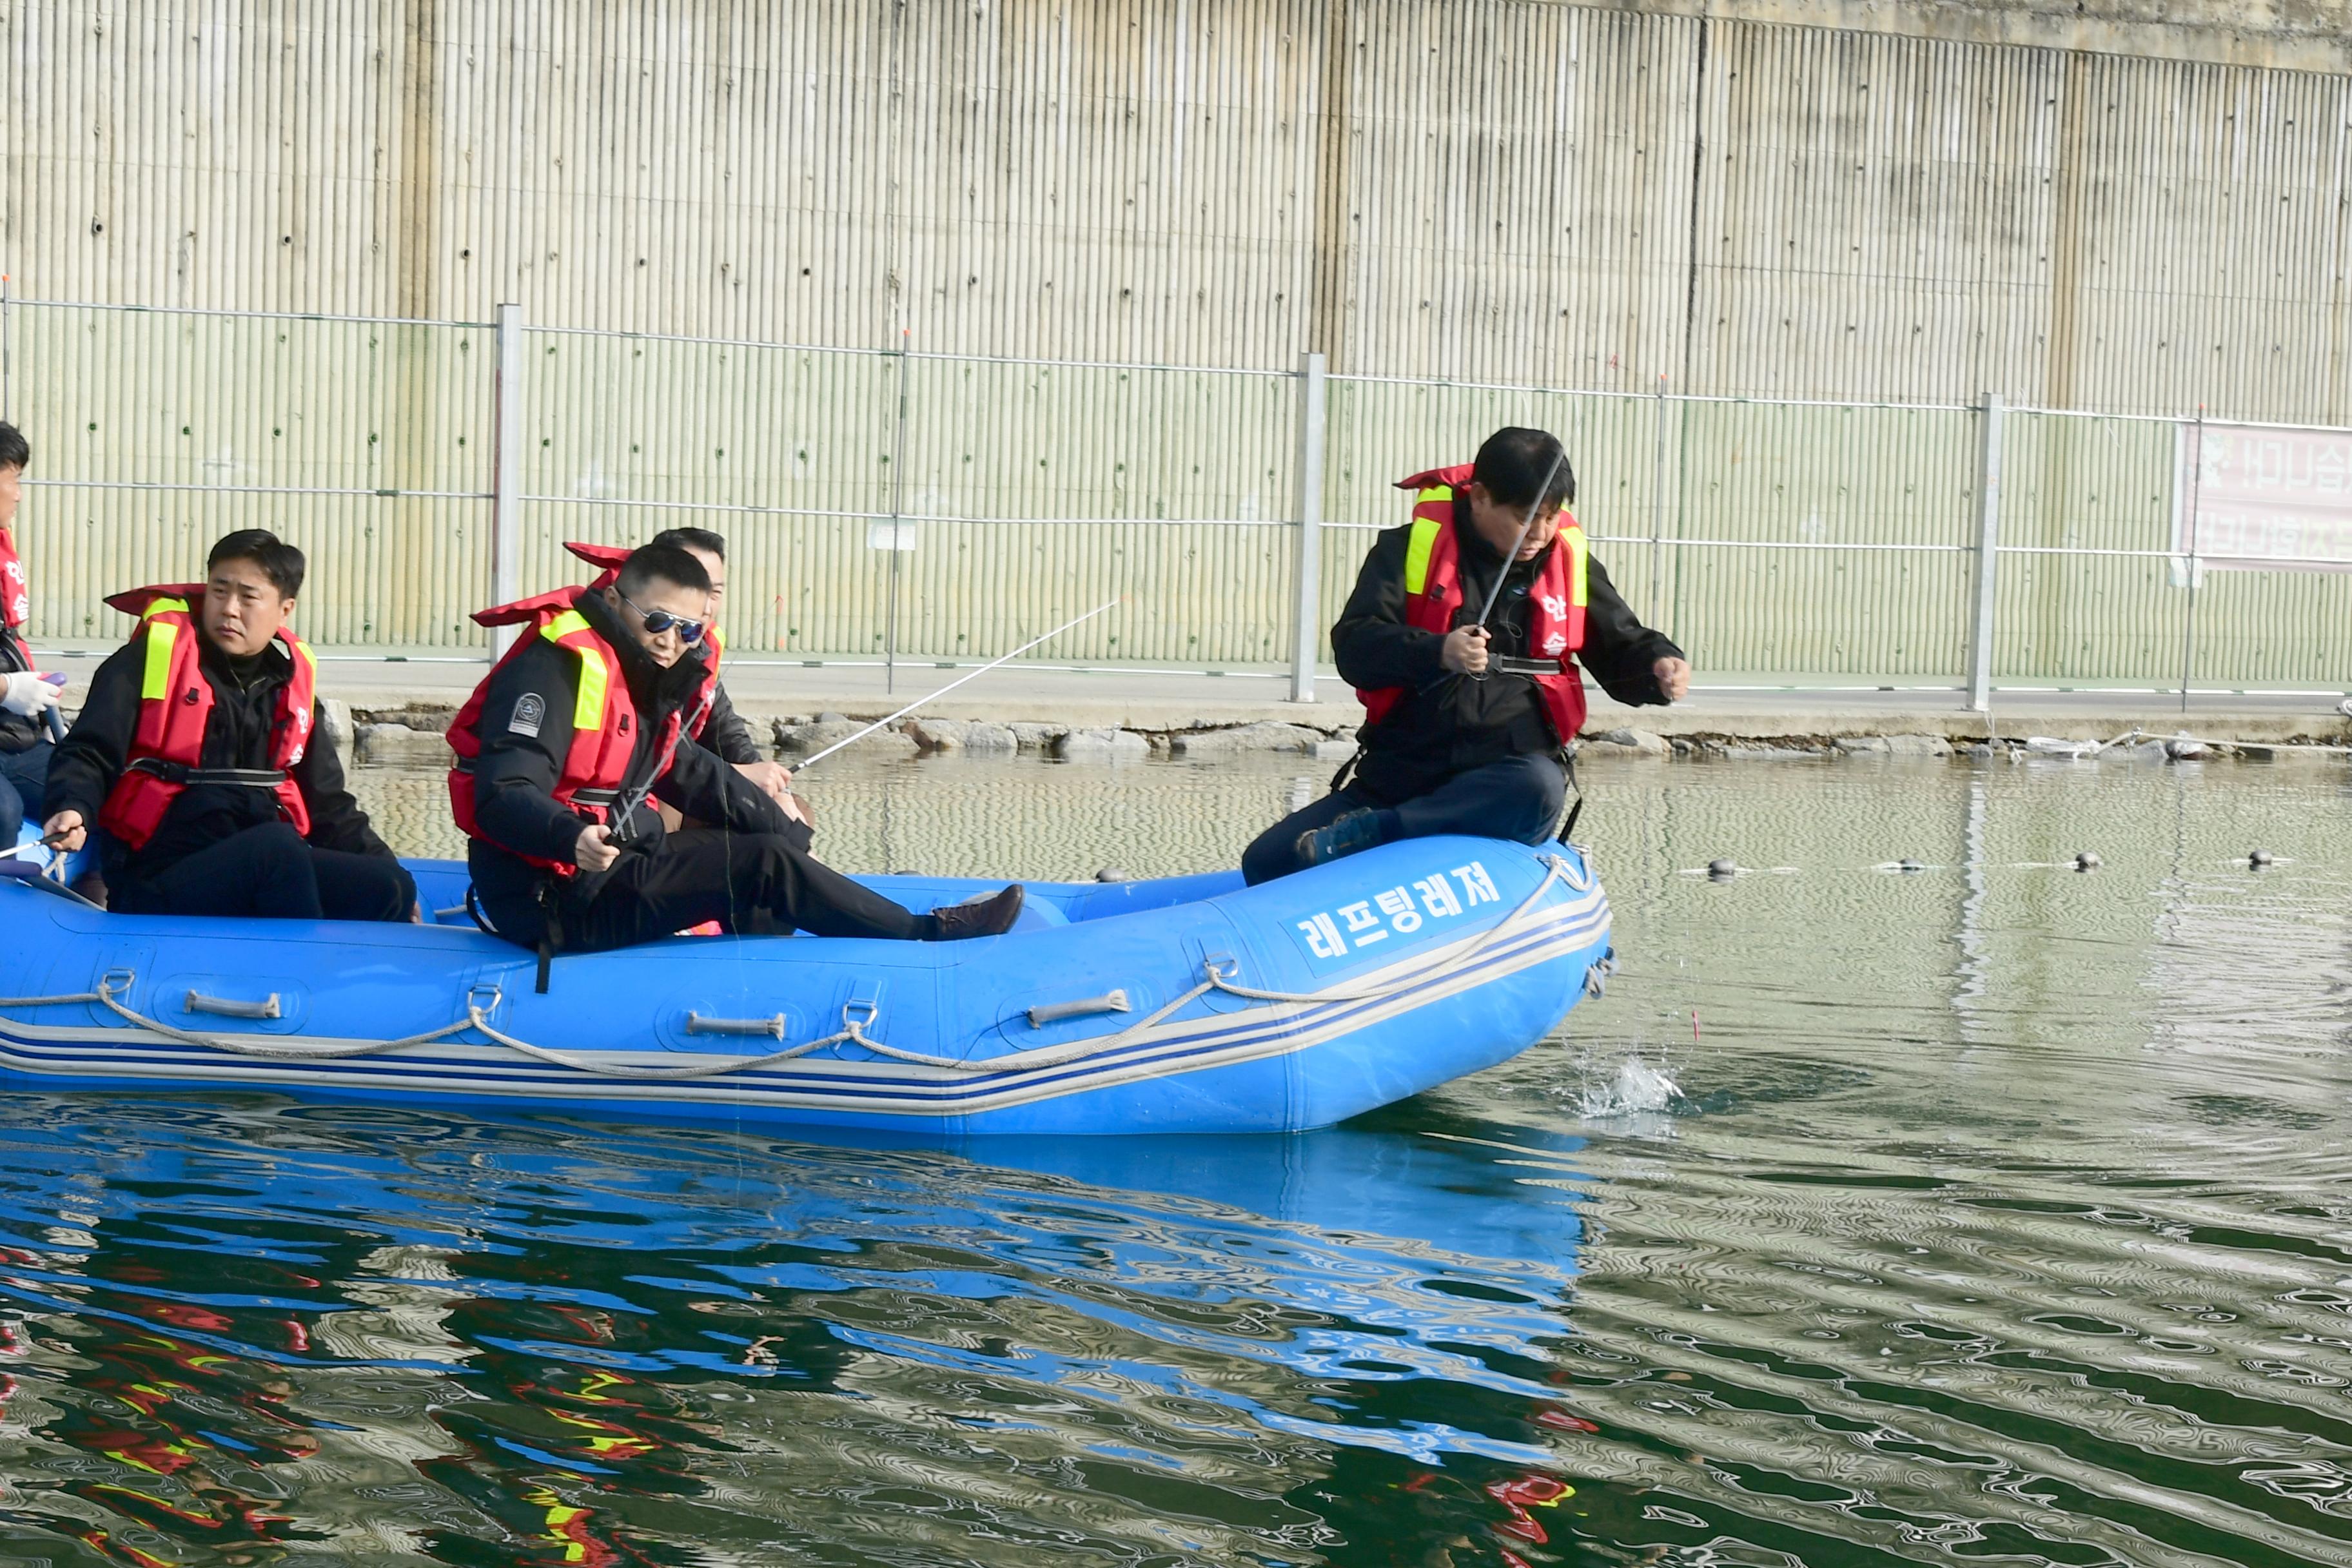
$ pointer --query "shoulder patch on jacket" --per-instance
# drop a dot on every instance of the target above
(529, 712)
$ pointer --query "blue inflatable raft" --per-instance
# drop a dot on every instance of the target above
(1186, 1004)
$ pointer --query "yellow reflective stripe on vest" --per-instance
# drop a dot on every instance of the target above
(564, 626)
(302, 651)
(595, 679)
(1580, 564)
(588, 713)
(1417, 550)
(155, 686)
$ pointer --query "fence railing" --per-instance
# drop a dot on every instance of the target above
(889, 503)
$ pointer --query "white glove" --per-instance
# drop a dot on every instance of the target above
(28, 694)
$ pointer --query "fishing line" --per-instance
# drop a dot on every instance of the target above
(1001, 658)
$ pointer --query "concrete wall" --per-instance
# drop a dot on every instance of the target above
(2131, 208)
(2288, 35)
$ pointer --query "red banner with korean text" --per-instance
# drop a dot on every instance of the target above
(2258, 498)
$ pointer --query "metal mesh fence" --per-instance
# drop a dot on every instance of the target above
(888, 503)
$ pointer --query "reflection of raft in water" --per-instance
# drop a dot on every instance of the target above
(1188, 1004)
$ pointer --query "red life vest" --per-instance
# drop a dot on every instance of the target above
(608, 559)
(1556, 603)
(175, 708)
(611, 557)
(16, 599)
(15, 594)
(603, 722)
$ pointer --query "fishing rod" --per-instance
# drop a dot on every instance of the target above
(951, 685)
(1511, 555)
(627, 805)
(1526, 527)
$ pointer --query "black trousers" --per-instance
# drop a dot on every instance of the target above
(270, 873)
(752, 883)
(1519, 797)
(24, 778)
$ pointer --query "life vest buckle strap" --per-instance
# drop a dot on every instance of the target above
(181, 773)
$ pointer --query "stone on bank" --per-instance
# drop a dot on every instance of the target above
(1267, 737)
(1102, 746)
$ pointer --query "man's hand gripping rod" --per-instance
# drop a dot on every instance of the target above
(1535, 505)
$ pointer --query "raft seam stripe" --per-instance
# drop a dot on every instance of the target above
(1298, 1027)
(784, 1092)
(851, 1086)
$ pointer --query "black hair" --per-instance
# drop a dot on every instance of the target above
(280, 562)
(1515, 460)
(662, 562)
(701, 539)
(15, 452)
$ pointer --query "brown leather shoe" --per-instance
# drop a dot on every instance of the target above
(991, 916)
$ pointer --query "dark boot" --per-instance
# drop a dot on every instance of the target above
(991, 916)
(1345, 835)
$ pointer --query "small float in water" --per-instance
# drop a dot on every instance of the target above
(1183, 1005)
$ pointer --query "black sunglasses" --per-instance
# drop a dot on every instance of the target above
(659, 621)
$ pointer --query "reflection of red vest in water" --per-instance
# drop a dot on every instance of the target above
(175, 706)
(1556, 603)
(603, 720)
(611, 558)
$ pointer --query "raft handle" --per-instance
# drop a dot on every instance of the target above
(1055, 1011)
(229, 1008)
(696, 1024)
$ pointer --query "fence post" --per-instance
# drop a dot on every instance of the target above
(506, 481)
(1658, 501)
(2196, 571)
(1985, 601)
(1306, 631)
(898, 522)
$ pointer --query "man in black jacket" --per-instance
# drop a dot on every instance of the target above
(551, 878)
(27, 698)
(724, 733)
(224, 844)
(1467, 736)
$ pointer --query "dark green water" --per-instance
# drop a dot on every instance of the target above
(2005, 1215)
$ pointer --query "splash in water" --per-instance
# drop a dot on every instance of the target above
(1638, 1088)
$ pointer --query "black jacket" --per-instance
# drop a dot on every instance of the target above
(1447, 724)
(17, 732)
(526, 733)
(726, 735)
(240, 735)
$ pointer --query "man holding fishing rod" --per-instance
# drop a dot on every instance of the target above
(564, 743)
(711, 720)
(1462, 638)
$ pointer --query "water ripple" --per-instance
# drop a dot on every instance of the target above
(2000, 1215)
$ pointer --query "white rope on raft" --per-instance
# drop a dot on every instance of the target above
(105, 996)
(852, 1030)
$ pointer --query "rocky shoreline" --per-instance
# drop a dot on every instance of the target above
(411, 736)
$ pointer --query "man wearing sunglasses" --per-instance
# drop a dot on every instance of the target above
(713, 720)
(561, 750)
